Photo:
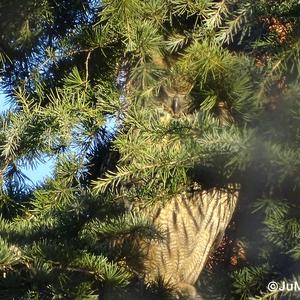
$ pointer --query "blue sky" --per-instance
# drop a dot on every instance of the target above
(41, 171)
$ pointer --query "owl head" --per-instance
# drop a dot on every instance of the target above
(173, 100)
(173, 96)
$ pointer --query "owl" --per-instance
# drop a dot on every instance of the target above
(193, 223)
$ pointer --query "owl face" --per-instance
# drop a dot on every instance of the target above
(174, 102)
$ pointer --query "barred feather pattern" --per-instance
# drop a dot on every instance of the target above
(194, 224)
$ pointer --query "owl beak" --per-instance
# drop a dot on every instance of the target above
(175, 105)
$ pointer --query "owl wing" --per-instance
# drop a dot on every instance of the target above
(192, 223)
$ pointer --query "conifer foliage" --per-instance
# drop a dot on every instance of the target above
(85, 78)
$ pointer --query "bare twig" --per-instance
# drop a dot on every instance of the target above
(87, 68)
